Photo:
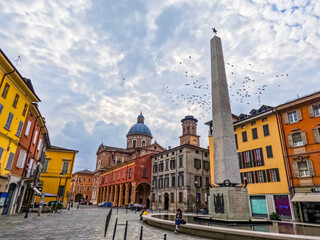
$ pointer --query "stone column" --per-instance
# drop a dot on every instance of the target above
(120, 196)
(107, 195)
(126, 197)
(133, 192)
(111, 193)
(98, 195)
(116, 192)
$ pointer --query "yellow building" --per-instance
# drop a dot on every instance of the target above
(16, 94)
(261, 161)
(56, 174)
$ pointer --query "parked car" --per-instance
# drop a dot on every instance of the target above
(105, 204)
(137, 207)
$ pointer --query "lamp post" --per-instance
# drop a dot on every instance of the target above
(58, 195)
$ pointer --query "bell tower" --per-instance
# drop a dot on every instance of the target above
(189, 131)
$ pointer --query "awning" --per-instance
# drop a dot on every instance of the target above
(306, 197)
(37, 191)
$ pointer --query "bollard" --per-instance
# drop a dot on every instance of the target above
(141, 232)
(115, 229)
(125, 231)
(107, 222)
(165, 236)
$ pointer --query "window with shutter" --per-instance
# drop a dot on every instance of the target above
(28, 129)
(1, 152)
(295, 168)
(15, 101)
(29, 168)
(299, 114)
(254, 133)
(5, 90)
(65, 167)
(244, 137)
(310, 110)
(236, 139)
(316, 134)
(297, 139)
(39, 144)
(21, 159)
(290, 140)
(316, 110)
(304, 138)
(45, 166)
(9, 121)
(24, 110)
(266, 130)
(11, 155)
(303, 169)
(35, 137)
(286, 118)
(293, 117)
(19, 129)
(269, 152)
(310, 167)
(1, 108)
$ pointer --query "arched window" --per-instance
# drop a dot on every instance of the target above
(143, 143)
(130, 172)
(134, 143)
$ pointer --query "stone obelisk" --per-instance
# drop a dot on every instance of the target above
(228, 200)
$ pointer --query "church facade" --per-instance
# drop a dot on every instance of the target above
(123, 175)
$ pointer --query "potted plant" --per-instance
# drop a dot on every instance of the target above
(275, 216)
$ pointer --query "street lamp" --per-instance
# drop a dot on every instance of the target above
(58, 195)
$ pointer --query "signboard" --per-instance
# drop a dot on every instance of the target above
(259, 206)
(3, 197)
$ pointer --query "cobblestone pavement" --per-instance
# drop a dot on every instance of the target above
(85, 223)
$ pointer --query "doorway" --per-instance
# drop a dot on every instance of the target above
(166, 201)
(12, 187)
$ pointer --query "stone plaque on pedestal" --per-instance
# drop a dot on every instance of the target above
(229, 203)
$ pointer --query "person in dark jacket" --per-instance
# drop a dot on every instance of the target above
(178, 219)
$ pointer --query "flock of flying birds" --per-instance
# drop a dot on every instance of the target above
(196, 94)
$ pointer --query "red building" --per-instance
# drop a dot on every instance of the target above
(127, 183)
(81, 186)
(28, 161)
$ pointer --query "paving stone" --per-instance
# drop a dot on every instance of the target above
(85, 223)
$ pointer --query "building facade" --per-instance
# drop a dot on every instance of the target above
(181, 175)
(81, 186)
(56, 174)
(300, 129)
(28, 161)
(127, 183)
(139, 144)
(16, 95)
(261, 162)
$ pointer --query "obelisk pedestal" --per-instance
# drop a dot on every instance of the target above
(228, 200)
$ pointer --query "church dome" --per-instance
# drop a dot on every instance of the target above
(140, 127)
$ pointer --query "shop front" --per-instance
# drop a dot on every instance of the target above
(259, 206)
(282, 206)
(309, 205)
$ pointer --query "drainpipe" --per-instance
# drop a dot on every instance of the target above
(2, 80)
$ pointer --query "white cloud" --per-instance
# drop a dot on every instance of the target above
(78, 52)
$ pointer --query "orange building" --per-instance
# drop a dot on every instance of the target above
(127, 183)
(299, 122)
(81, 186)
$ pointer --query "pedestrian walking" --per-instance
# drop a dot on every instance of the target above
(178, 220)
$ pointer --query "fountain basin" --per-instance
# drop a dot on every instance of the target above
(214, 231)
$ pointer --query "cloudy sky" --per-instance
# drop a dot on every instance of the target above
(96, 64)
